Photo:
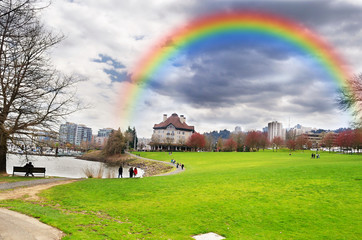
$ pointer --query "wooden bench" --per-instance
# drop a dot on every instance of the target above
(30, 170)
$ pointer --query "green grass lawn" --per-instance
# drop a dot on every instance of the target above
(262, 195)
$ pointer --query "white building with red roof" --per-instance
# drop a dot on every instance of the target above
(172, 133)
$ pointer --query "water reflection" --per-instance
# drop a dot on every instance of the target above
(66, 166)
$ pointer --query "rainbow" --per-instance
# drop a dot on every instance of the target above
(222, 24)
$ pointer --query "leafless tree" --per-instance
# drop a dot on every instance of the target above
(350, 98)
(34, 96)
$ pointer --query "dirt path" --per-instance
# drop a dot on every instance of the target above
(30, 193)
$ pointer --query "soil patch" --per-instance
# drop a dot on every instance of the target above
(30, 193)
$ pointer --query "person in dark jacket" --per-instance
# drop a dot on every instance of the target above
(29, 167)
(130, 172)
(120, 171)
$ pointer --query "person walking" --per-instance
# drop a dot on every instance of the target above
(120, 171)
(182, 166)
(130, 172)
(135, 171)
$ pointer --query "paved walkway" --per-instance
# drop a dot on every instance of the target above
(11, 185)
(17, 226)
(177, 170)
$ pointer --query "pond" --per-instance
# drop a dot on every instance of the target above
(69, 167)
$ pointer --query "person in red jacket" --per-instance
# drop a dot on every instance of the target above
(135, 171)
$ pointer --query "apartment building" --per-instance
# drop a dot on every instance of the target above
(74, 133)
(275, 129)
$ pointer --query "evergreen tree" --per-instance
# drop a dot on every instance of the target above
(131, 137)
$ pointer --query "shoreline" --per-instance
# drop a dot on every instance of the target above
(151, 168)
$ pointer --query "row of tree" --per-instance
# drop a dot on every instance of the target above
(256, 140)
(348, 140)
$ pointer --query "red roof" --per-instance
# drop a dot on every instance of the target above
(176, 122)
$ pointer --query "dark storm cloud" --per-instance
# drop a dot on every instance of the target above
(263, 73)
(313, 14)
(329, 19)
(238, 74)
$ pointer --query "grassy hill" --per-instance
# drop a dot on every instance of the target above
(262, 195)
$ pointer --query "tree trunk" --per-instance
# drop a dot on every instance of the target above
(3, 151)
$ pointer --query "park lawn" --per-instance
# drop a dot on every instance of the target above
(261, 195)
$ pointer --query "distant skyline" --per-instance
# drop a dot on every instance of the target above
(215, 88)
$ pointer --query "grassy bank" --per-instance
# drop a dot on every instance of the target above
(262, 195)
(151, 168)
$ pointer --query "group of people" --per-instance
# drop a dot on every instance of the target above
(132, 172)
(315, 155)
(177, 164)
(29, 166)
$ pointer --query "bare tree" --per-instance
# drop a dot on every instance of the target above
(34, 96)
(328, 140)
(155, 140)
(277, 142)
(350, 98)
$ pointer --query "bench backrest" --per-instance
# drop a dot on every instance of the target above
(25, 169)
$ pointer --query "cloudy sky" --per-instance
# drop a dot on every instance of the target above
(216, 87)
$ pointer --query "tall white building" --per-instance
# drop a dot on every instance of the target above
(275, 129)
(83, 134)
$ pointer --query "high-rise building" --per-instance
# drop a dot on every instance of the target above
(83, 134)
(102, 136)
(67, 132)
(275, 129)
(104, 132)
(74, 134)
